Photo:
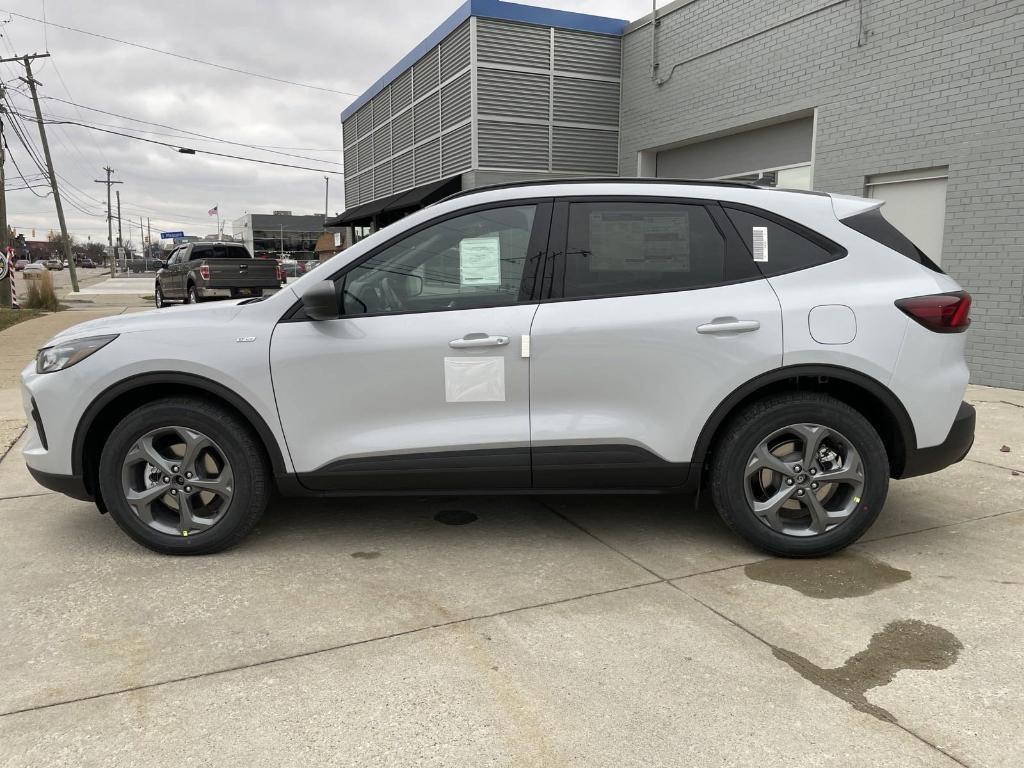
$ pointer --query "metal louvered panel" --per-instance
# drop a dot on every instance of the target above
(402, 172)
(401, 132)
(586, 101)
(587, 54)
(365, 150)
(512, 94)
(349, 132)
(428, 162)
(498, 42)
(401, 91)
(350, 160)
(366, 186)
(364, 120)
(456, 104)
(426, 118)
(382, 180)
(351, 191)
(457, 150)
(585, 150)
(382, 143)
(425, 74)
(381, 108)
(512, 145)
(455, 52)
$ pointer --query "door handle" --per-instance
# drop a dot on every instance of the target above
(728, 325)
(474, 340)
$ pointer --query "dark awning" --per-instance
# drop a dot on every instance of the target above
(410, 199)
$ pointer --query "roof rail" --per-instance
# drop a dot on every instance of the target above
(606, 180)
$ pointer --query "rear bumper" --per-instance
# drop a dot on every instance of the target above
(922, 461)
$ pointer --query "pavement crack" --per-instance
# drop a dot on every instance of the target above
(7, 450)
(328, 649)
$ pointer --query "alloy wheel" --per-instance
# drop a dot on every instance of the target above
(177, 481)
(804, 480)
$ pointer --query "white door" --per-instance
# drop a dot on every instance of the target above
(420, 383)
(642, 341)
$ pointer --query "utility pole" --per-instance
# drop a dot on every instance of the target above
(49, 167)
(110, 226)
(120, 242)
(149, 235)
(327, 190)
(5, 286)
(142, 240)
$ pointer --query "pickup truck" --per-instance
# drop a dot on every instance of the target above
(199, 271)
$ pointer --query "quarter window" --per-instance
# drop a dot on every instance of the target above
(621, 248)
(470, 261)
(788, 250)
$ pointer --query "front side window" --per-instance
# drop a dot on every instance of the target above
(621, 248)
(469, 261)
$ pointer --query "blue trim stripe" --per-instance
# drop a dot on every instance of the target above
(491, 9)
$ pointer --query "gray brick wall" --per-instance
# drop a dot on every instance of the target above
(934, 83)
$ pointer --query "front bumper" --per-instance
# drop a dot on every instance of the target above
(922, 461)
(69, 485)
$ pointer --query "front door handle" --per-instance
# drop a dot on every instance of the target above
(728, 325)
(472, 340)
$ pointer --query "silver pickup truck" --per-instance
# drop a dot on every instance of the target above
(199, 271)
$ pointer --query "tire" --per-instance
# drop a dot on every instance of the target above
(215, 524)
(743, 474)
(158, 297)
(192, 297)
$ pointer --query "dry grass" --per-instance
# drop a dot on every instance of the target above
(9, 317)
(41, 294)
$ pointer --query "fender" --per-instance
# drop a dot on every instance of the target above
(182, 379)
(835, 372)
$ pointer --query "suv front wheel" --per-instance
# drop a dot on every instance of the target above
(799, 475)
(184, 476)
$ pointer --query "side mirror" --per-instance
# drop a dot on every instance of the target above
(321, 301)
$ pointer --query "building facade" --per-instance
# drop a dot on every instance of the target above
(281, 232)
(916, 102)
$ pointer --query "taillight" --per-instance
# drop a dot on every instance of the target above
(204, 271)
(280, 273)
(941, 312)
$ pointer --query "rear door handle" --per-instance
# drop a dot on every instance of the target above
(728, 325)
(472, 340)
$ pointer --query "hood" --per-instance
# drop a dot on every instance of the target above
(166, 319)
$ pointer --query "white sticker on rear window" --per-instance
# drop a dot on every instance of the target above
(760, 243)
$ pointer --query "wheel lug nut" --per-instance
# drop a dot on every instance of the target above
(796, 468)
(814, 471)
(174, 491)
(174, 469)
(789, 481)
(800, 492)
(167, 479)
(188, 489)
(814, 485)
(188, 475)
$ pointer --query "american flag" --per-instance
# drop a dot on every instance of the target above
(212, 211)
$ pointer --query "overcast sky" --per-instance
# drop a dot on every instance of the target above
(343, 45)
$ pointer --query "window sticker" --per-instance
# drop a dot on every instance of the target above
(640, 242)
(474, 379)
(760, 243)
(480, 260)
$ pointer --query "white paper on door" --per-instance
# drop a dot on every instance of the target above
(480, 260)
(474, 379)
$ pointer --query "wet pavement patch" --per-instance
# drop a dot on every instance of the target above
(455, 517)
(905, 644)
(838, 576)
(365, 555)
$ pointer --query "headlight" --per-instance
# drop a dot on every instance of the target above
(64, 355)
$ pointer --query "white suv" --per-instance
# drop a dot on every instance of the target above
(790, 351)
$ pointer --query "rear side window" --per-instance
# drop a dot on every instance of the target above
(790, 246)
(220, 251)
(616, 248)
(874, 225)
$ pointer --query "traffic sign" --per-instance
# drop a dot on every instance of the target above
(171, 235)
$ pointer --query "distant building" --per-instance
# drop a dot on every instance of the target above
(271, 234)
(329, 244)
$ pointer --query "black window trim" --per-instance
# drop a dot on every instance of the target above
(736, 253)
(528, 293)
(835, 250)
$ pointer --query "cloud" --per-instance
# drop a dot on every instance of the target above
(344, 46)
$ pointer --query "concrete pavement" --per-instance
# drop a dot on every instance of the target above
(585, 631)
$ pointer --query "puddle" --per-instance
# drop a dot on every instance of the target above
(455, 517)
(365, 555)
(838, 576)
(906, 644)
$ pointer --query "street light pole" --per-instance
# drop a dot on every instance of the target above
(110, 218)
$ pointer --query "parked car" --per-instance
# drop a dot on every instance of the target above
(790, 352)
(87, 263)
(56, 264)
(199, 271)
(20, 264)
(35, 268)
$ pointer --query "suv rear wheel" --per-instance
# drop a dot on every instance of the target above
(184, 477)
(800, 475)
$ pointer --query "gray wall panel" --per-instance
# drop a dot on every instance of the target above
(428, 161)
(456, 150)
(518, 45)
(425, 74)
(585, 150)
(426, 117)
(513, 145)
(455, 52)
(587, 54)
(513, 94)
(773, 146)
(402, 171)
(586, 101)
(456, 101)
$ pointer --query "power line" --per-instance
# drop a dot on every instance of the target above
(194, 60)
